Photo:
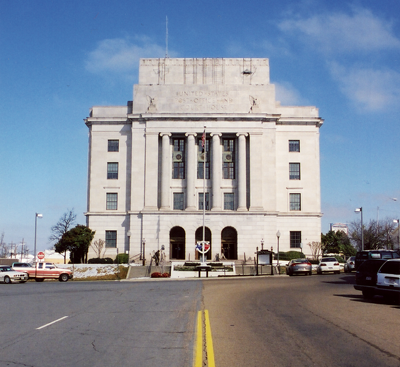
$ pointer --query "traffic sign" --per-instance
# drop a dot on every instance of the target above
(40, 255)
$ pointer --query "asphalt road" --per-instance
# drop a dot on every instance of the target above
(264, 321)
(300, 321)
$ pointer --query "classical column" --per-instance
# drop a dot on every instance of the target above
(216, 172)
(257, 152)
(191, 172)
(151, 172)
(241, 181)
(165, 171)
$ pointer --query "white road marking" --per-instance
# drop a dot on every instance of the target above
(41, 327)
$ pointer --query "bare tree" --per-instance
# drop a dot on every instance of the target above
(63, 225)
(316, 249)
(98, 247)
(376, 235)
(3, 247)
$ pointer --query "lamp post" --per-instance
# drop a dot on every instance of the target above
(37, 215)
(144, 252)
(278, 234)
(398, 232)
(362, 227)
(262, 243)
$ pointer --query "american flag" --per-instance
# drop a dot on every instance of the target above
(203, 139)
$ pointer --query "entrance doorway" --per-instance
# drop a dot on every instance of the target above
(177, 240)
(229, 243)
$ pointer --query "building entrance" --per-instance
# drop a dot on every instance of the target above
(177, 239)
(229, 243)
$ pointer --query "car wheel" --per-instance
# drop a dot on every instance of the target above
(7, 280)
(337, 272)
(310, 272)
(39, 279)
(23, 281)
(368, 294)
(63, 278)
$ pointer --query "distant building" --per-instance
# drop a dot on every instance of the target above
(147, 163)
(340, 227)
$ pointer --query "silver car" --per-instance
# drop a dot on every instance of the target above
(8, 275)
(350, 264)
(299, 266)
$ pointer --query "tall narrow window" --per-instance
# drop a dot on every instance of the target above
(178, 201)
(112, 201)
(203, 154)
(111, 239)
(295, 239)
(228, 201)
(228, 159)
(201, 201)
(295, 201)
(112, 171)
(294, 171)
(294, 145)
(113, 145)
(178, 158)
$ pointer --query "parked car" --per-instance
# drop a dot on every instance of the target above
(7, 275)
(328, 264)
(41, 271)
(387, 281)
(362, 256)
(350, 264)
(299, 266)
(367, 273)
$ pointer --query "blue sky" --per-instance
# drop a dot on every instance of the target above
(59, 58)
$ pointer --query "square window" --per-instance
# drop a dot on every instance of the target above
(295, 239)
(111, 239)
(295, 201)
(112, 201)
(294, 145)
(112, 171)
(228, 201)
(113, 145)
(203, 159)
(178, 201)
(294, 171)
(228, 159)
(201, 201)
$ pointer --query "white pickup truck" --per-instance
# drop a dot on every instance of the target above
(42, 270)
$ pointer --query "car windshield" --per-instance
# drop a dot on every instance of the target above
(6, 268)
(300, 261)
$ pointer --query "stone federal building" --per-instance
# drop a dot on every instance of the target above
(260, 160)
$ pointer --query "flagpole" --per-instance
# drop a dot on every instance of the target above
(203, 139)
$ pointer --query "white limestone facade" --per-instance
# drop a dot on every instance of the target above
(146, 163)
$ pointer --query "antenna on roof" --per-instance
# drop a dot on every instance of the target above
(166, 36)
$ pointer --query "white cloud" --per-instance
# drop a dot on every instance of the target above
(368, 89)
(340, 32)
(121, 55)
(287, 95)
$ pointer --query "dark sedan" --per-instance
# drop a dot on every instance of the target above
(367, 272)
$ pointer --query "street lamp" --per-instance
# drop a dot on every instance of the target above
(362, 227)
(262, 243)
(398, 232)
(144, 252)
(37, 215)
(278, 234)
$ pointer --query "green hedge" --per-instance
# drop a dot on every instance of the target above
(289, 255)
(98, 260)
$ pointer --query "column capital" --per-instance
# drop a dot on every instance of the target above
(194, 134)
(165, 134)
(215, 134)
(243, 134)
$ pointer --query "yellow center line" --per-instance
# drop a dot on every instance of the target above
(198, 357)
(209, 342)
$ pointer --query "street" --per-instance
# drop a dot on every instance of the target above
(255, 321)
